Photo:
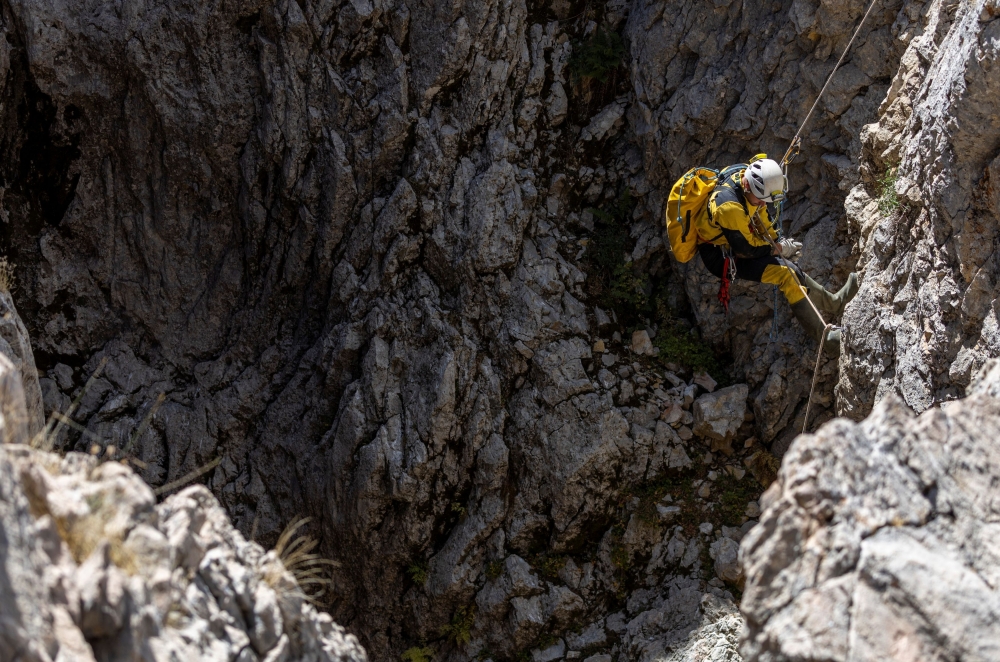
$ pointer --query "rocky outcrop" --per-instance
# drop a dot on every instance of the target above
(355, 247)
(924, 220)
(92, 568)
(15, 345)
(878, 540)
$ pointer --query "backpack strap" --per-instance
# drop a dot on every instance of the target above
(730, 188)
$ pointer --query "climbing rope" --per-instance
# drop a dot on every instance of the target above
(797, 139)
(827, 327)
(819, 356)
(790, 153)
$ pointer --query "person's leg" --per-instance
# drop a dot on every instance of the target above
(772, 270)
(829, 302)
(712, 258)
(788, 277)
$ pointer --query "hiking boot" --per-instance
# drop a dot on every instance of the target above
(814, 327)
(828, 302)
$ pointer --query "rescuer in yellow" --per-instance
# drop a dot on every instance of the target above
(748, 247)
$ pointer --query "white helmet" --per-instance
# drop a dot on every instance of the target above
(765, 179)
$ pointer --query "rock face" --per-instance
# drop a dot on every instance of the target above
(717, 82)
(924, 320)
(92, 568)
(15, 345)
(878, 540)
(354, 245)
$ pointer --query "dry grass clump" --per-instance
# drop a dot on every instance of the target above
(6, 275)
(311, 571)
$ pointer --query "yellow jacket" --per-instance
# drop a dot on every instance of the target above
(730, 212)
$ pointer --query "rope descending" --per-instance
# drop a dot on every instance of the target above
(796, 141)
(790, 153)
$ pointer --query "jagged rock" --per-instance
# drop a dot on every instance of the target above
(717, 416)
(90, 559)
(704, 380)
(641, 343)
(340, 241)
(725, 553)
(923, 321)
(686, 627)
(15, 345)
(880, 532)
(13, 411)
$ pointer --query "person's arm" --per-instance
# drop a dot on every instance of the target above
(735, 226)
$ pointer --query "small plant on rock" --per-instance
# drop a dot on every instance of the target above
(418, 572)
(311, 571)
(418, 654)
(888, 200)
(549, 566)
(494, 569)
(6, 275)
(460, 629)
(598, 56)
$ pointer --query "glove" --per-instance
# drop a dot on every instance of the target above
(789, 248)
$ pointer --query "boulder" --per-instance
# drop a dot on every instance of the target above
(641, 344)
(881, 536)
(718, 415)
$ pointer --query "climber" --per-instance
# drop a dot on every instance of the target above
(751, 246)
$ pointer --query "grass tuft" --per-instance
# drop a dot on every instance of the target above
(494, 569)
(6, 275)
(418, 654)
(679, 345)
(418, 572)
(888, 200)
(311, 571)
(459, 630)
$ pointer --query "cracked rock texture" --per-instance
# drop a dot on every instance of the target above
(924, 320)
(878, 540)
(717, 82)
(348, 242)
(92, 568)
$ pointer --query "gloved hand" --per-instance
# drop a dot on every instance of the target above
(789, 248)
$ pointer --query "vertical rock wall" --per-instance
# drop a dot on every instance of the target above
(924, 320)
(348, 244)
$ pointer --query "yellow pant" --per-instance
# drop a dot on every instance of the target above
(772, 270)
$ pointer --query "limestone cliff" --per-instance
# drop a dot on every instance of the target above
(399, 266)
(93, 568)
(924, 321)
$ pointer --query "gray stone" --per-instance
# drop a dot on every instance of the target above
(717, 416)
(554, 652)
(99, 565)
(855, 535)
(641, 343)
(725, 553)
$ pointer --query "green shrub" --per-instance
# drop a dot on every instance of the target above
(418, 572)
(613, 280)
(494, 569)
(679, 345)
(460, 628)
(549, 566)
(598, 56)
(418, 654)
(734, 495)
(888, 201)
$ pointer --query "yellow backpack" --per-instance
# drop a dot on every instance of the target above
(687, 210)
